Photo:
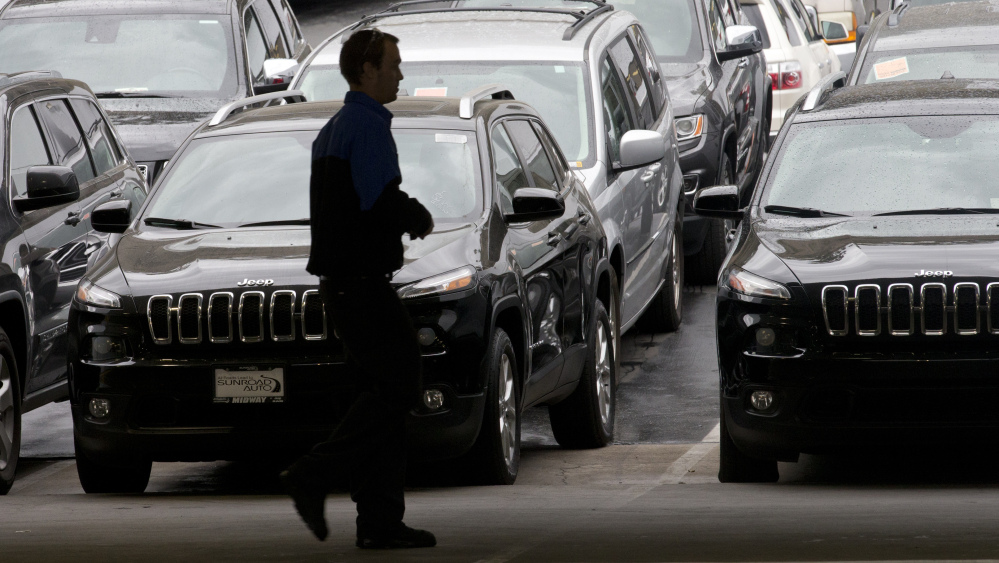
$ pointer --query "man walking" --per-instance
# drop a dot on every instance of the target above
(359, 215)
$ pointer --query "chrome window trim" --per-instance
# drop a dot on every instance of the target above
(149, 318)
(891, 309)
(274, 336)
(180, 309)
(211, 304)
(846, 309)
(260, 317)
(922, 308)
(877, 308)
(978, 316)
(988, 314)
(305, 299)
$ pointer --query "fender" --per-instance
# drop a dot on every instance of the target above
(507, 302)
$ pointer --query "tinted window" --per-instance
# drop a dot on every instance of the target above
(70, 148)
(629, 67)
(27, 148)
(290, 25)
(755, 16)
(98, 135)
(617, 114)
(272, 29)
(672, 27)
(652, 75)
(786, 23)
(256, 46)
(535, 156)
(561, 166)
(716, 26)
(510, 175)
(806, 24)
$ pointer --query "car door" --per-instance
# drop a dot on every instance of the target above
(535, 247)
(820, 51)
(736, 85)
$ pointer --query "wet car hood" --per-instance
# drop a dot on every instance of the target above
(687, 83)
(153, 128)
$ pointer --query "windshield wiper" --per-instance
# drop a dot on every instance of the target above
(942, 211)
(132, 95)
(801, 211)
(183, 224)
(277, 223)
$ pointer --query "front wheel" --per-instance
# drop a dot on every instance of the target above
(585, 419)
(99, 478)
(10, 415)
(496, 454)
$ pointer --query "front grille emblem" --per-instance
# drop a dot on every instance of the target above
(933, 274)
(255, 283)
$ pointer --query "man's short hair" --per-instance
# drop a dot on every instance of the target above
(364, 46)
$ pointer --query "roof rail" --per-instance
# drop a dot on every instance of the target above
(582, 17)
(466, 107)
(897, 13)
(16, 77)
(221, 115)
(828, 82)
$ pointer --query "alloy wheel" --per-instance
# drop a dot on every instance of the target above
(603, 374)
(507, 411)
(7, 418)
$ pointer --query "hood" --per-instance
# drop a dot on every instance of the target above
(153, 128)
(449, 247)
(687, 83)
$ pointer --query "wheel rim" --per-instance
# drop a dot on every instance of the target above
(676, 275)
(603, 378)
(7, 418)
(507, 411)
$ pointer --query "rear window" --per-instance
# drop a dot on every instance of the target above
(755, 16)
(932, 64)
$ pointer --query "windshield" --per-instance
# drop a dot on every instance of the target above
(263, 178)
(932, 64)
(671, 26)
(557, 90)
(178, 55)
(881, 165)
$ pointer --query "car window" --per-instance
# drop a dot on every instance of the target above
(627, 64)
(801, 15)
(558, 161)
(652, 75)
(440, 170)
(931, 64)
(755, 17)
(716, 25)
(67, 139)
(134, 193)
(510, 175)
(256, 47)
(671, 26)
(27, 148)
(98, 135)
(786, 23)
(290, 23)
(617, 114)
(534, 154)
(272, 29)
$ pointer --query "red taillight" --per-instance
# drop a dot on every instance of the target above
(785, 76)
(790, 79)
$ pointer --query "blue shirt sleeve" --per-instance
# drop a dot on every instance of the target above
(374, 162)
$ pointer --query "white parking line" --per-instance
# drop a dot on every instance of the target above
(677, 470)
(506, 554)
(38, 476)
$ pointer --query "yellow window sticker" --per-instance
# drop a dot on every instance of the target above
(891, 69)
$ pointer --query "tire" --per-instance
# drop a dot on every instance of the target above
(99, 478)
(665, 313)
(496, 453)
(737, 467)
(585, 419)
(10, 414)
(704, 266)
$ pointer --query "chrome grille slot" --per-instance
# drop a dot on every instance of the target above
(992, 304)
(313, 316)
(220, 317)
(966, 317)
(867, 309)
(900, 310)
(189, 318)
(933, 301)
(282, 316)
(251, 316)
(158, 313)
(834, 309)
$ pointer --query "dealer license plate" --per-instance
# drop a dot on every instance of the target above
(249, 385)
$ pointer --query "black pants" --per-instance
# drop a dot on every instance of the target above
(384, 359)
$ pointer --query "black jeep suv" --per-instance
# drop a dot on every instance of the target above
(160, 67)
(202, 337)
(61, 158)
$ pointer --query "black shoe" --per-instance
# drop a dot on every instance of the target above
(310, 501)
(405, 537)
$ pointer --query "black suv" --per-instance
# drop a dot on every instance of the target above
(61, 158)
(160, 67)
(202, 337)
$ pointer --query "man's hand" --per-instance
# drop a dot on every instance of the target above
(413, 235)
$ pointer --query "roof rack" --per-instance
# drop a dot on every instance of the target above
(14, 78)
(582, 17)
(291, 96)
(828, 82)
(894, 16)
(466, 107)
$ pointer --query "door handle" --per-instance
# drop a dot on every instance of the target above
(651, 171)
(73, 219)
(554, 238)
(584, 217)
(821, 66)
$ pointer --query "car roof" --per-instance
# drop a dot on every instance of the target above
(481, 36)
(907, 98)
(956, 24)
(17, 84)
(49, 8)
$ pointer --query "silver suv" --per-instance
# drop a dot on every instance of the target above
(592, 75)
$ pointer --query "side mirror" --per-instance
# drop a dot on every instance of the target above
(721, 202)
(535, 204)
(813, 16)
(835, 32)
(278, 74)
(743, 40)
(48, 186)
(112, 216)
(861, 32)
(640, 148)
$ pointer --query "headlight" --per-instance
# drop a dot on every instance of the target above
(755, 286)
(455, 280)
(91, 294)
(689, 127)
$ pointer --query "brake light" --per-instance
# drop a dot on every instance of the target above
(785, 76)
